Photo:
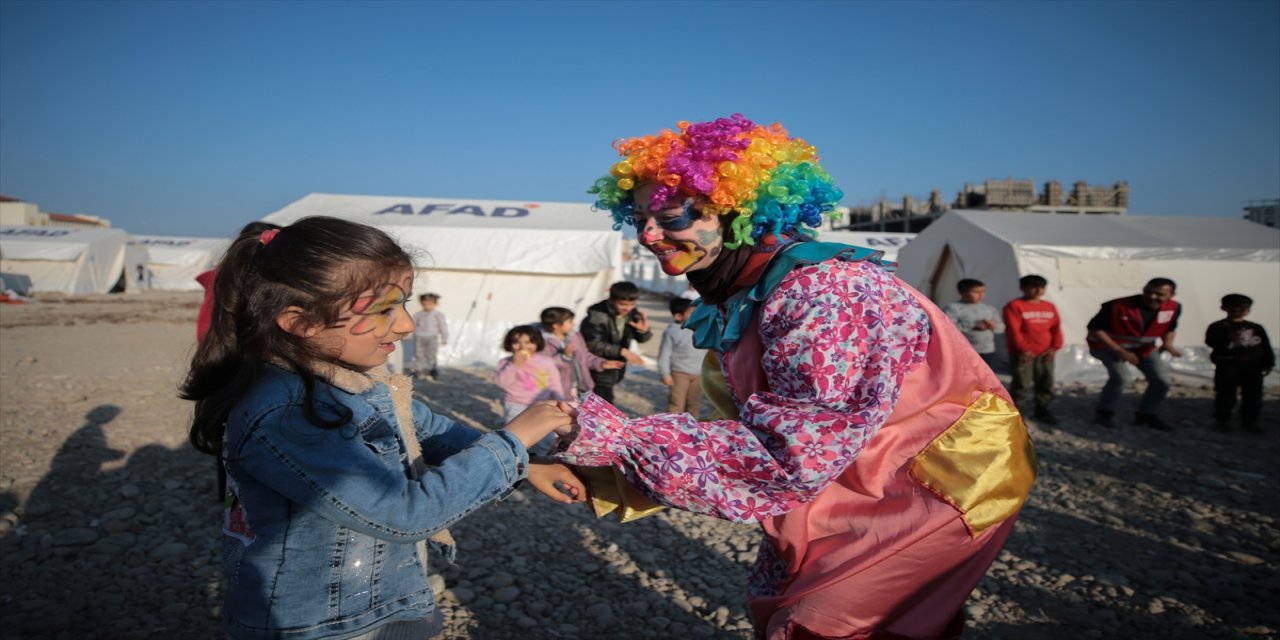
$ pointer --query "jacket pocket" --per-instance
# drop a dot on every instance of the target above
(379, 435)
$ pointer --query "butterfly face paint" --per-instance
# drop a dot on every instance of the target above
(366, 334)
(373, 313)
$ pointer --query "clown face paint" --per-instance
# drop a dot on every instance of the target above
(366, 333)
(678, 234)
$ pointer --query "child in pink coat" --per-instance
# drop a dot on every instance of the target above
(527, 376)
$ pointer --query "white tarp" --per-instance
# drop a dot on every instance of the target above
(642, 268)
(133, 279)
(73, 261)
(494, 263)
(176, 261)
(889, 243)
(1091, 259)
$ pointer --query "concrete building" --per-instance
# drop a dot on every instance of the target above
(16, 213)
(1265, 212)
(991, 195)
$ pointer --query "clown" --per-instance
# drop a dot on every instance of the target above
(881, 457)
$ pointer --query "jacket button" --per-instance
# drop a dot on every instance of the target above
(519, 467)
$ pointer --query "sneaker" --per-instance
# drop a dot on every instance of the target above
(1151, 420)
(1046, 417)
(1104, 418)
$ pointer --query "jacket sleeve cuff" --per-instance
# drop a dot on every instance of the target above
(512, 457)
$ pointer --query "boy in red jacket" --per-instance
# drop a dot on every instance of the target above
(1034, 332)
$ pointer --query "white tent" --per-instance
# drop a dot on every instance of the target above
(133, 277)
(642, 268)
(73, 261)
(495, 264)
(1091, 259)
(889, 243)
(176, 261)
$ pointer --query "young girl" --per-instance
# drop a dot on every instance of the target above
(336, 477)
(527, 376)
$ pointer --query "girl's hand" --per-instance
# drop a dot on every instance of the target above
(633, 357)
(521, 357)
(556, 481)
(613, 364)
(538, 421)
(570, 409)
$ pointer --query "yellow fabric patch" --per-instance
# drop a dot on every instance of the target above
(716, 388)
(611, 492)
(983, 464)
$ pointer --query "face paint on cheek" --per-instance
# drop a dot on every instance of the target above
(707, 238)
(686, 259)
(374, 313)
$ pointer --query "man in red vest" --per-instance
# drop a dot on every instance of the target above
(1126, 331)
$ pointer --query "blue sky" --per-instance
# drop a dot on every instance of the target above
(191, 118)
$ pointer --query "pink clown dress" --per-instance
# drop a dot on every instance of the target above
(881, 456)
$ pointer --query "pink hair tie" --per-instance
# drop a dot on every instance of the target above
(267, 236)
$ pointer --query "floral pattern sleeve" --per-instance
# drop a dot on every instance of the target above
(838, 338)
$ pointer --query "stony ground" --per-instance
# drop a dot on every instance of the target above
(109, 522)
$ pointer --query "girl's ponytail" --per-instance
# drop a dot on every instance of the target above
(219, 375)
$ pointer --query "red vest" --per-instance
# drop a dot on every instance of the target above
(1126, 326)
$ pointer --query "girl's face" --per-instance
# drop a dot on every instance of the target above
(564, 328)
(680, 236)
(523, 342)
(367, 330)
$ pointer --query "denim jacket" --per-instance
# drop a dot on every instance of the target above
(324, 531)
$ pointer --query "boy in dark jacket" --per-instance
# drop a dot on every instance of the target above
(1243, 357)
(609, 328)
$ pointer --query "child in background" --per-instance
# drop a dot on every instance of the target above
(573, 361)
(608, 330)
(1034, 337)
(430, 330)
(527, 376)
(1243, 357)
(977, 321)
(680, 363)
(338, 480)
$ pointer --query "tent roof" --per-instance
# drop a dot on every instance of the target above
(185, 251)
(53, 243)
(492, 235)
(447, 212)
(1131, 237)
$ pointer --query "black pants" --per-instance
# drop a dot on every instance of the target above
(1227, 380)
(605, 381)
(604, 391)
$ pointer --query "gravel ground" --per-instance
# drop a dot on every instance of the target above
(109, 523)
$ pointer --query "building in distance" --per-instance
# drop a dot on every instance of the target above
(17, 213)
(1010, 194)
(1265, 212)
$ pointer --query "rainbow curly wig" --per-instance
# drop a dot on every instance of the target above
(770, 182)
